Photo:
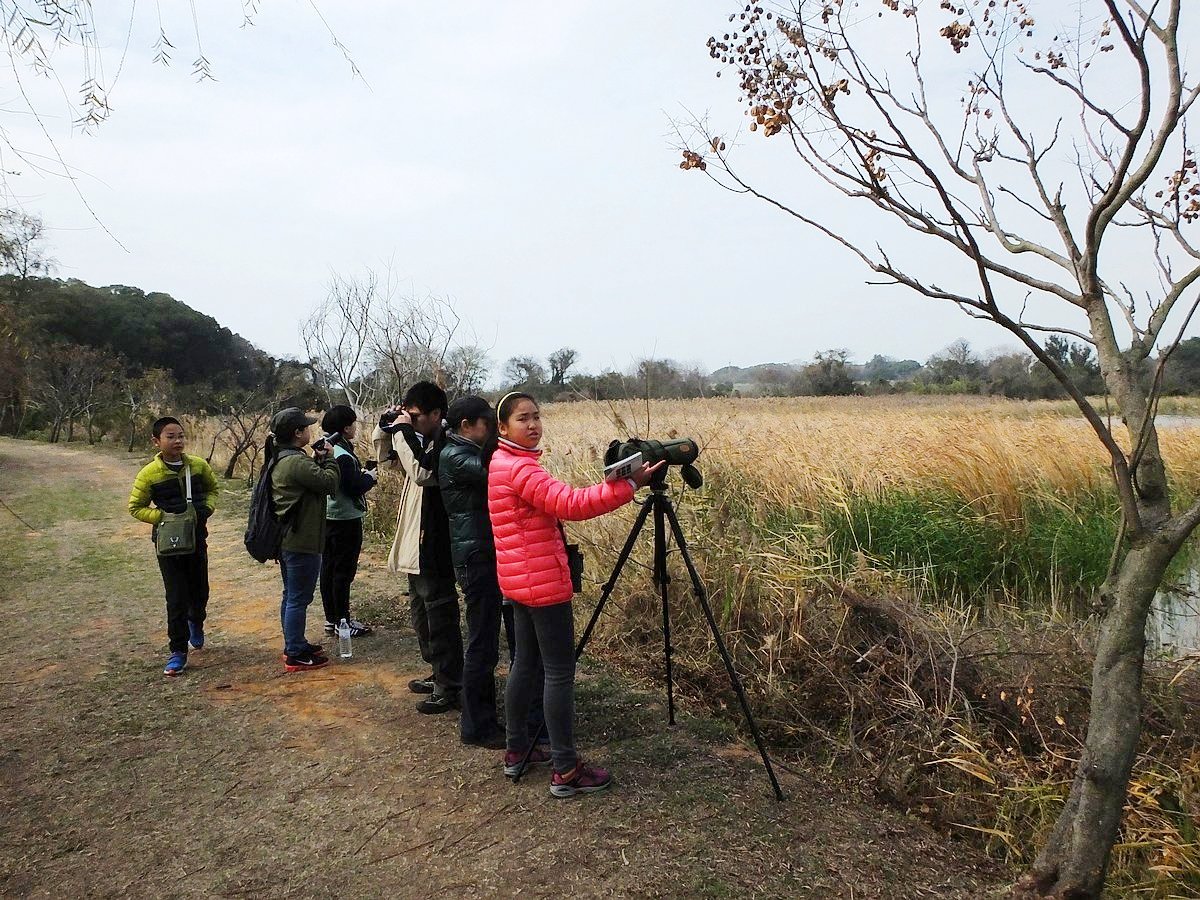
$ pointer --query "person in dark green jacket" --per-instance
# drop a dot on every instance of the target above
(462, 476)
(161, 487)
(299, 486)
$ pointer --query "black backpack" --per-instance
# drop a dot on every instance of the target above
(264, 529)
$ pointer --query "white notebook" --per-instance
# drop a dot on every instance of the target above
(623, 468)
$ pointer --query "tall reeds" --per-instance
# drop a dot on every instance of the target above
(907, 586)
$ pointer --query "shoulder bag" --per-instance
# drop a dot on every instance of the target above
(176, 533)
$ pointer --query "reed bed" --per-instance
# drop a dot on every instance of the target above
(906, 586)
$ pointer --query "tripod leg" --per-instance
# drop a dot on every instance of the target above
(607, 590)
(662, 579)
(605, 593)
(734, 680)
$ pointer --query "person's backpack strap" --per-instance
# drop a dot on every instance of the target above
(187, 477)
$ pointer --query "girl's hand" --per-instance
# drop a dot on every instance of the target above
(643, 475)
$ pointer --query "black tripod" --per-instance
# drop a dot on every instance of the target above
(664, 510)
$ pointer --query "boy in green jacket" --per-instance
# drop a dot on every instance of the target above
(161, 487)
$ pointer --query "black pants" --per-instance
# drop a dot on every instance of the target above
(482, 598)
(485, 610)
(433, 607)
(545, 638)
(339, 565)
(536, 720)
(186, 581)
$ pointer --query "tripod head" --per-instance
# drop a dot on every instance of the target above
(682, 452)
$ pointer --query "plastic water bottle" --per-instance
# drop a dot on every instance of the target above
(343, 633)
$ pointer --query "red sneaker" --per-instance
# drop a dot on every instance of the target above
(304, 662)
(313, 649)
(580, 780)
(512, 760)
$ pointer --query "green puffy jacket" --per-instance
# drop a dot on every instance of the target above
(463, 480)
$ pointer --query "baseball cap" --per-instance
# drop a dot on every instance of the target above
(290, 420)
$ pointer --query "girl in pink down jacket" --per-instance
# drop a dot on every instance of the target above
(526, 505)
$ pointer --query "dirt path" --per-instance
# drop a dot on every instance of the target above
(239, 781)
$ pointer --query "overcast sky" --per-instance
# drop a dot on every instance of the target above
(516, 158)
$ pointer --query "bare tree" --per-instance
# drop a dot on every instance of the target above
(21, 252)
(467, 369)
(21, 258)
(144, 393)
(70, 382)
(338, 338)
(243, 416)
(369, 341)
(561, 362)
(414, 338)
(1079, 225)
(524, 373)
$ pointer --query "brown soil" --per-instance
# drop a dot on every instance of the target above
(238, 780)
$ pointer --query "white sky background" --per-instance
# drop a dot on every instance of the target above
(517, 158)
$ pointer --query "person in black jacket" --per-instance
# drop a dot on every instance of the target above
(462, 476)
(344, 513)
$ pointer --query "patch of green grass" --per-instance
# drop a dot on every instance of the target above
(709, 729)
(43, 509)
(104, 562)
(709, 884)
(1060, 550)
(20, 556)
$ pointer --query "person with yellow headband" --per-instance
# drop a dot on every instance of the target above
(527, 506)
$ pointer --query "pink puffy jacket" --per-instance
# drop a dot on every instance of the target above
(525, 504)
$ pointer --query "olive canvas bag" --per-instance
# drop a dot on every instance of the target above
(176, 533)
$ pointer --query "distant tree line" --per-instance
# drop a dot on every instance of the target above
(78, 361)
(957, 369)
(555, 380)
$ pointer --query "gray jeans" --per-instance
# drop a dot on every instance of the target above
(433, 607)
(545, 633)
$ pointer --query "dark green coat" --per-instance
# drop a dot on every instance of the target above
(463, 480)
(300, 485)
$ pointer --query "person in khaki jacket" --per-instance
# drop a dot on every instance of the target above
(408, 440)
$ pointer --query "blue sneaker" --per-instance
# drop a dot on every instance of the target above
(196, 634)
(176, 664)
